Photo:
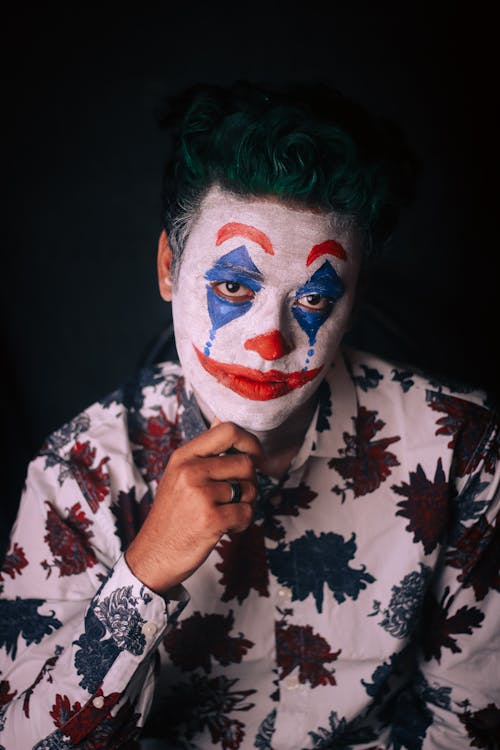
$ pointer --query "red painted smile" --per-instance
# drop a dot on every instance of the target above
(254, 384)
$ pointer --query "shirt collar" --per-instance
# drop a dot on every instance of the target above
(337, 406)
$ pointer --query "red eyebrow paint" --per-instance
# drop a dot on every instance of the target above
(235, 229)
(329, 247)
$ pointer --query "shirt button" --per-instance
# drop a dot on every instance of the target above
(291, 683)
(275, 500)
(149, 629)
(284, 593)
(98, 701)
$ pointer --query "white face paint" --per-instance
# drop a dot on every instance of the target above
(260, 305)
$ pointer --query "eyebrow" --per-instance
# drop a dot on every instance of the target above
(235, 229)
(234, 265)
(329, 247)
(223, 268)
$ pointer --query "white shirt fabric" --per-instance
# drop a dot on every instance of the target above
(359, 610)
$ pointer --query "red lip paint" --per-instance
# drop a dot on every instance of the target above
(254, 384)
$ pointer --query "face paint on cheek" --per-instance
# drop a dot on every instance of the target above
(325, 282)
(235, 267)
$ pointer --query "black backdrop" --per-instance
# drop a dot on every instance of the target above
(82, 168)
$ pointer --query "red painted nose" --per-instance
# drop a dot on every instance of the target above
(270, 345)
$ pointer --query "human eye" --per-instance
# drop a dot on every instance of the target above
(315, 302)
(233, 291)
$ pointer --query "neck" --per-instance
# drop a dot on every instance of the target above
(282, 443)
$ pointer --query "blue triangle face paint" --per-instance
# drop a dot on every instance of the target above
(236, 267)
(326, 282)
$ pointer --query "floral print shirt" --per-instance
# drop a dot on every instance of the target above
(359, 610)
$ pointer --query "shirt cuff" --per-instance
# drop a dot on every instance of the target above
(135, 616)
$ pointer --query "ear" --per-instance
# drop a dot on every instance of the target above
(164, 262)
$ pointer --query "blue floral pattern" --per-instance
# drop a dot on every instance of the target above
(370, 379)
(119, 614)
(96, 654)
(266, 731)
(20, 617)
(341, 735)
(325, 607)
(310, 562)
(407, 599)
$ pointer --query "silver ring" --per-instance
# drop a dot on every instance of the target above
(235, 492)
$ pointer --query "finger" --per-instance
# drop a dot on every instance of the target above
(195, 477)
(220, 493)
(231, 466)
(225, 493)
(235, 518)
(222, 437)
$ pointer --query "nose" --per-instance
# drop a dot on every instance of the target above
(269, 345)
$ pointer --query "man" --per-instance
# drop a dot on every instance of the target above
(294, 543)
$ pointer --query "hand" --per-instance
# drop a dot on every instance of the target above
(192, 509)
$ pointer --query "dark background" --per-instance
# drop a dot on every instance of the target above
(82, 161)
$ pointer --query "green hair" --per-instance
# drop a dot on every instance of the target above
(303, 143)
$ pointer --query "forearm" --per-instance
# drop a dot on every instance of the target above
(93, 672)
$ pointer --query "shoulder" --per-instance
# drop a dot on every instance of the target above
(404, 383)
(146, 394)
(117, 446)
(427, 412)
(93, 478)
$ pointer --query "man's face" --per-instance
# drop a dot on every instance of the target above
(260, 305)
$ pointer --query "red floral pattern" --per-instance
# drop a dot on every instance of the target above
(5, 695)
(441, 626)
(157, 437)
(364, 463)
(327, 566)
(243, 565)
(44, 673)
(93, 481)
(467, 424)
(298, 646)
(69, 541)
(285, 501)
(95, 725)
(427, 506)
(62, 710)
(483, 726)
(14, 562)
(130, 514)
(477, 554)
(200, 638)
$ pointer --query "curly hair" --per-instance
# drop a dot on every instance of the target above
(305, 143)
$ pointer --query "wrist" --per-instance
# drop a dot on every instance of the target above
(150, 571)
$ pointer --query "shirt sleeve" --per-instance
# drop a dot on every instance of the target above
(78, 631)
(457, 695)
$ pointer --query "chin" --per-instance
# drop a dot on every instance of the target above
(253, 420)
(254, 416)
